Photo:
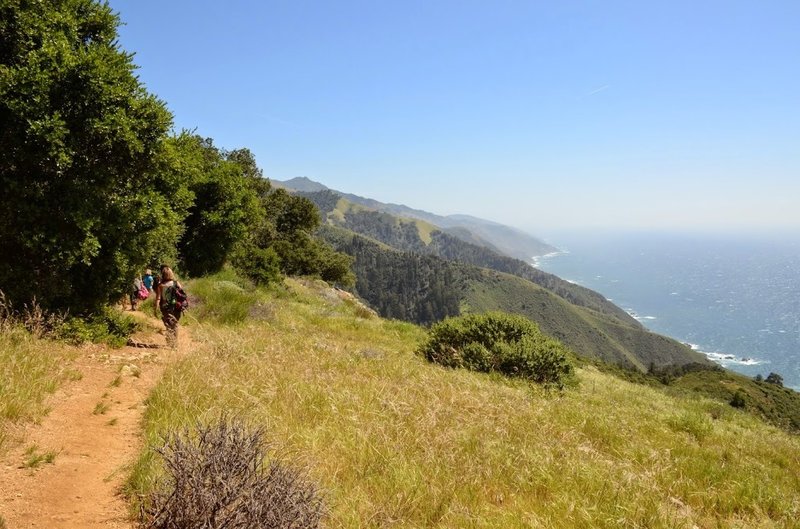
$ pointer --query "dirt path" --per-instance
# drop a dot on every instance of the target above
(94, 431)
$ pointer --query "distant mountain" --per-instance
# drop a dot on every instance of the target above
(300, 183)
(498, 237)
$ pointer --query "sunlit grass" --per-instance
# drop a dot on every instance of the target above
(395, 441)
(30, 370)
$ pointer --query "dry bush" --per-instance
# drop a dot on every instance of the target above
(217, 478)
(32, 317)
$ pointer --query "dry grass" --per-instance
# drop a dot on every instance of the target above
(30, 370)
(398, 442)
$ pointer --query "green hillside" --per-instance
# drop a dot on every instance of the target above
(423, 287)
(497, 237)
(396, 441)
(414, 236)
(587, 332)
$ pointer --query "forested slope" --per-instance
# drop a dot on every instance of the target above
(426, 288)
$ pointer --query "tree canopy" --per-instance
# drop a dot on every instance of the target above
(82, 143)
(95, 187)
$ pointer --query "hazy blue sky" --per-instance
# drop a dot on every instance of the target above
(543, 115)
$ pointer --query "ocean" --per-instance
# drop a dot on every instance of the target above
(735, 299)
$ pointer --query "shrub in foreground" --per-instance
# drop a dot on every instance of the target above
(498, 342)
(217, 478)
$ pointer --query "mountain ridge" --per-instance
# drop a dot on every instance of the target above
(507, 240)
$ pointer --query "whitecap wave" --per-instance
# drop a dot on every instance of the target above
(729, 359)
(536, 260)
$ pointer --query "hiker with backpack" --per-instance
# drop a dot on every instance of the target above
(137, 292)
(171, 300)
(148, 280)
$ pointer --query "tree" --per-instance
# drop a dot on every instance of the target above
(225, 207)
(83, 158)
(245, 159)
(774, 378)
(294, 220)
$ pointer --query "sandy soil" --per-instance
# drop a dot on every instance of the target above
(94, 429)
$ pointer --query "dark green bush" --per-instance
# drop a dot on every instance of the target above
(739, 399)
(498, 342)
(108, 326)
(260, 265)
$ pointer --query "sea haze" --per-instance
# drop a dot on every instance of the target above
(736, 299)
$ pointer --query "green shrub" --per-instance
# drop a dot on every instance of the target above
(498, 342)
(739, 399)
(262, 266)
(108, 326)
(223, 298)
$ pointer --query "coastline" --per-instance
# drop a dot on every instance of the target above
(709, 297)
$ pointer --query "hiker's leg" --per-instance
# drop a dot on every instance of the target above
(171, 323)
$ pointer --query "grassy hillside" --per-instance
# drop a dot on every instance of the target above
(396, 441)
(589, 333)
(424, 289)
(497, 237)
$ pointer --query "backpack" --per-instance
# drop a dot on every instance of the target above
(143, 293)
(175, 298)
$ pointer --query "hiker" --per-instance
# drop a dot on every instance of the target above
(136, 286)
(170, 313)
(148, 280)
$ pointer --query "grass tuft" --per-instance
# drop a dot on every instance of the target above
(34, 458)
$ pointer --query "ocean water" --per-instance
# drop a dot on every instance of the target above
(736, 299)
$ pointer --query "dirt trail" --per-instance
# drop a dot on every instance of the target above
(94, 429)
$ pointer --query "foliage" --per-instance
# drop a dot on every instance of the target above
(406, 286)
(107, 326)
(295, 219)
(498, 342)
(669, 373)
(774, 378)
(224, 207)
(261, 265)
(739, 399)
(83, 154)
(217, 479)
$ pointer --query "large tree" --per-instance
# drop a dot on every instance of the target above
(84, 161)
(225, 206)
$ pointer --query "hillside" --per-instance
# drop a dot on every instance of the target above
(394, 440)
(397, 441)
(498, 237)
(426, 288)
(411, 235)
(426, 275)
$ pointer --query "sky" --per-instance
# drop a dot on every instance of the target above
(547, 116)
